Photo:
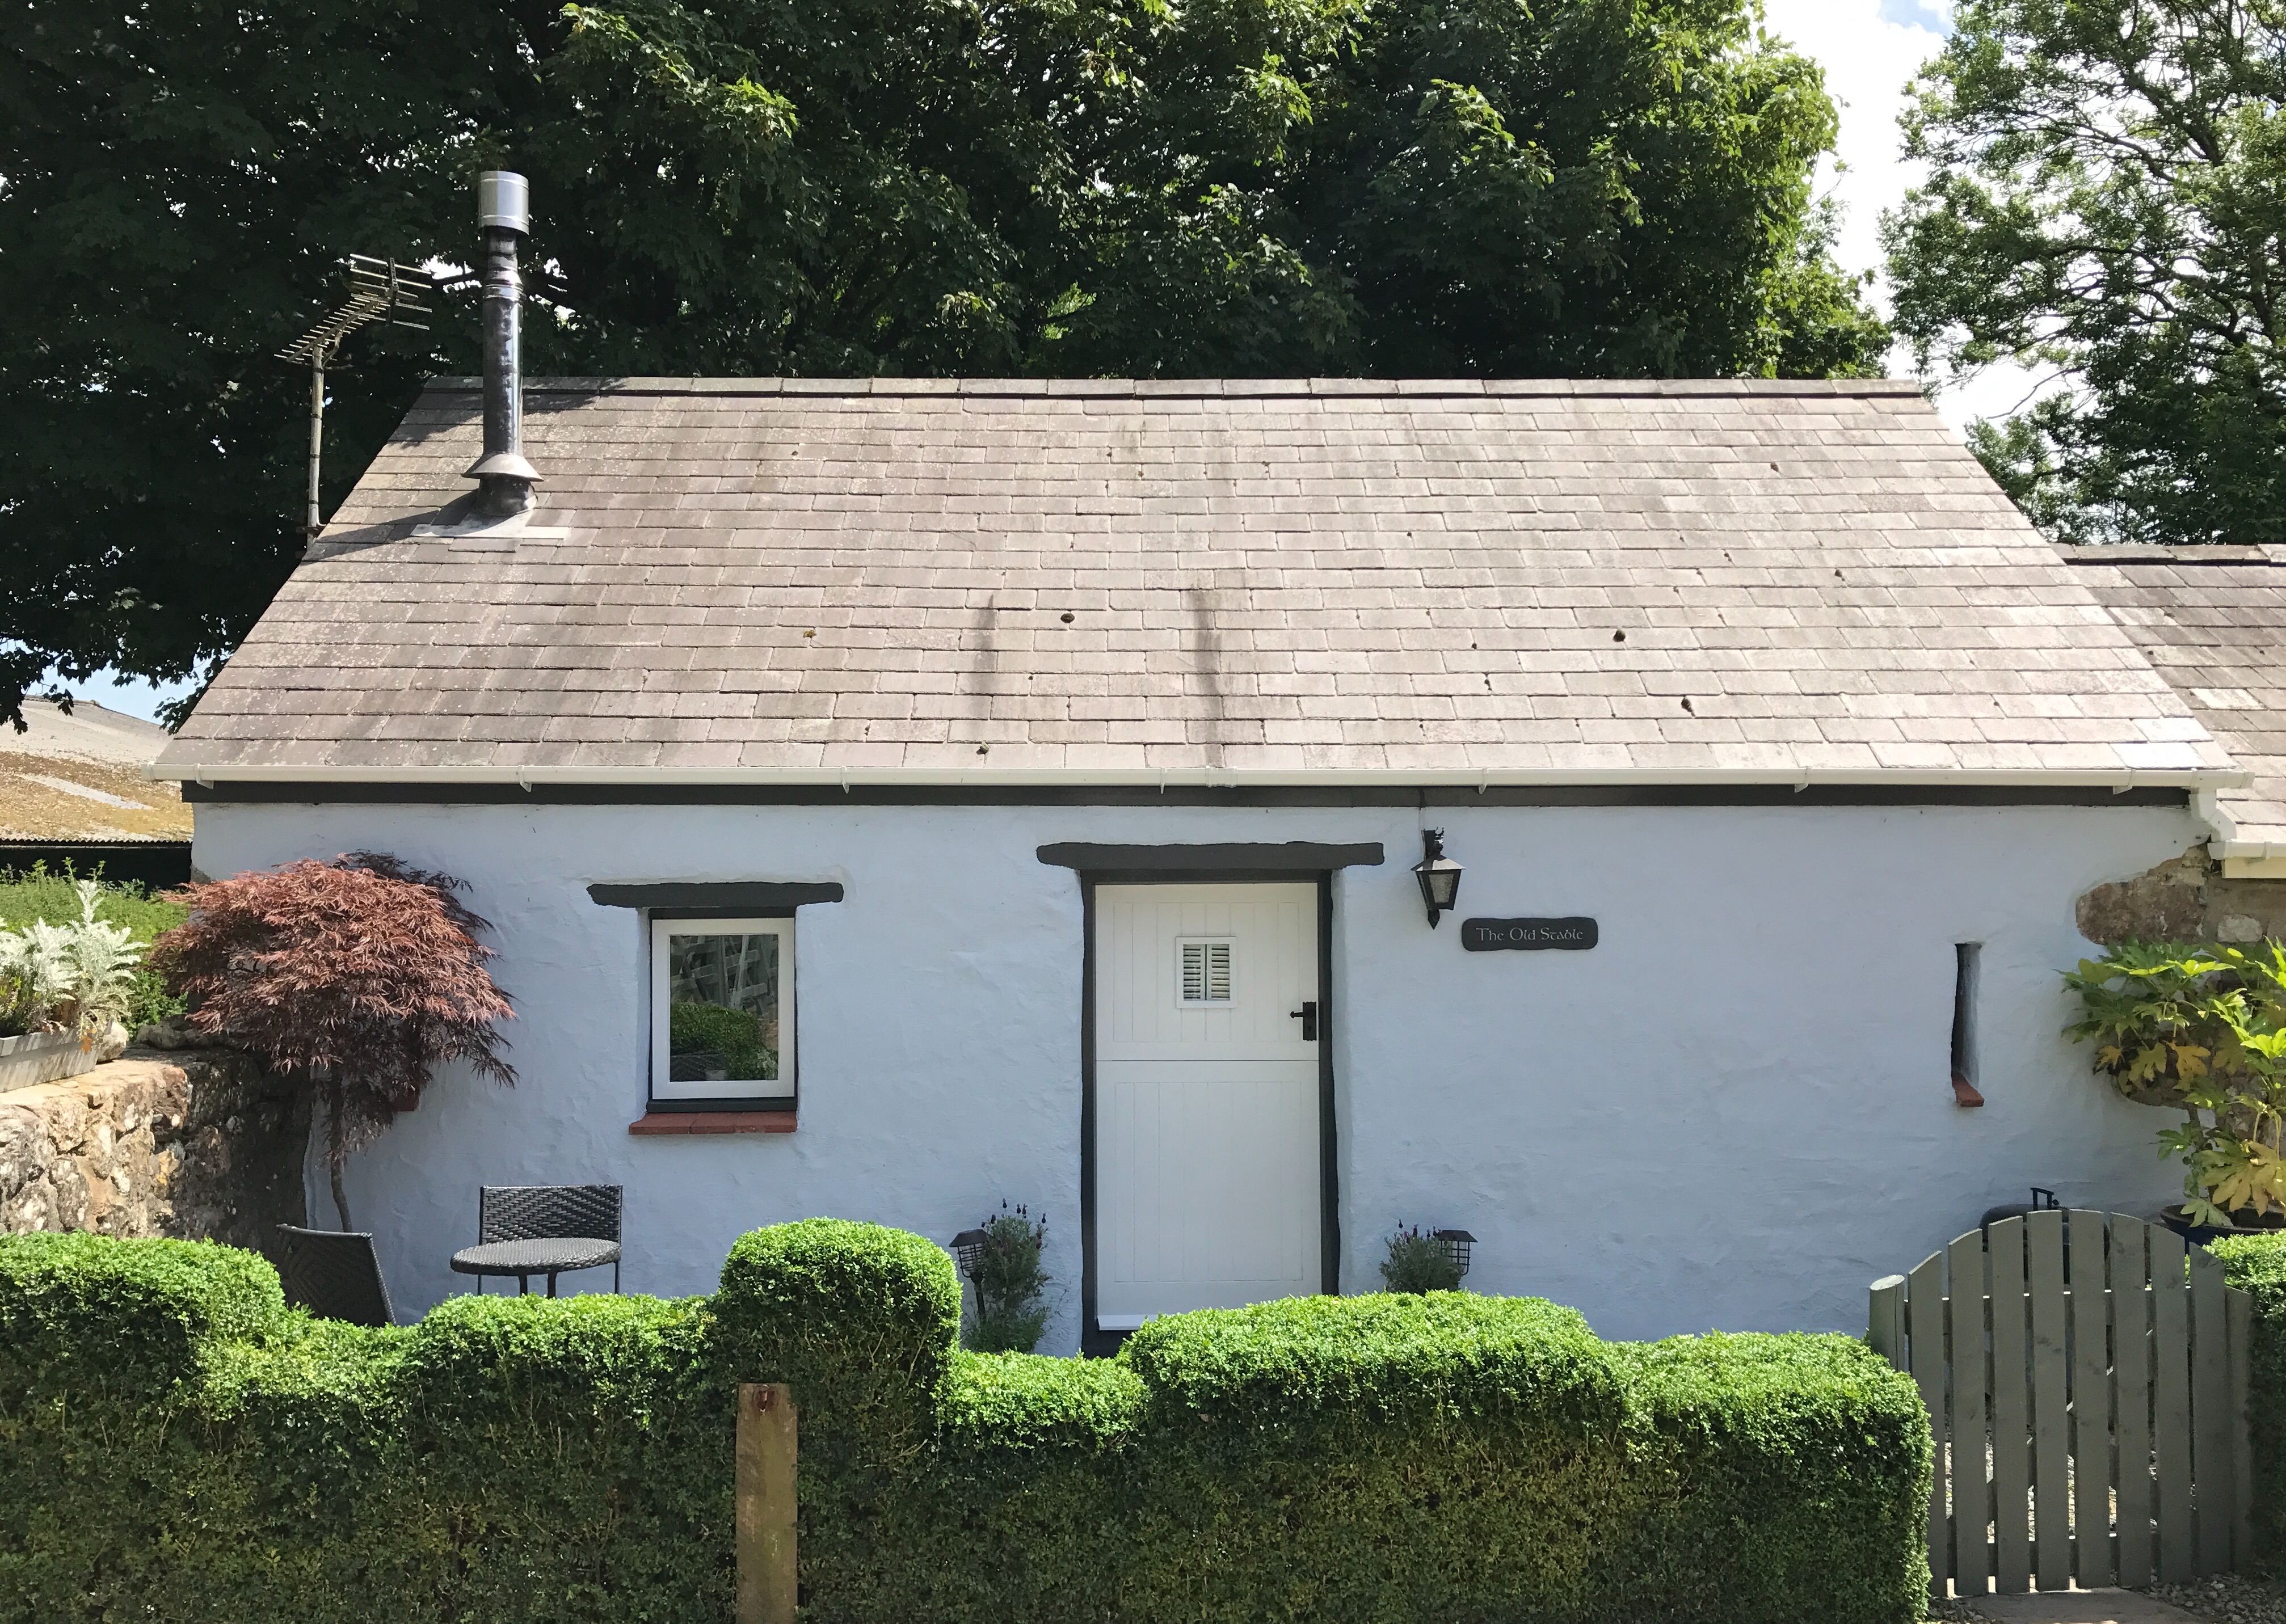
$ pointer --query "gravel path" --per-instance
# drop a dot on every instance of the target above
(2228, 1598)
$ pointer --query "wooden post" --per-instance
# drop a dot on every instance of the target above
(2212, 1468)
(2044, 1269)
(2131, 1319)
(2238, 1317)
(2012, 1412)
(767, 1589)
(1972, 1380)
(1925, 1306)
(2095, 1562)
(1885, 1328)
(2171, 1406)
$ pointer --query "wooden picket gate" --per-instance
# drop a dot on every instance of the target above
(2087, 1389)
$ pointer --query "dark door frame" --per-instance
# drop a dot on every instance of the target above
(1097, 1342)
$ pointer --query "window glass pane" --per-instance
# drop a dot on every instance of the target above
(722, 1009)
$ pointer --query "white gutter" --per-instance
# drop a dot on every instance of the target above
(2207, 806)
(2203, 781)
(2241, 860)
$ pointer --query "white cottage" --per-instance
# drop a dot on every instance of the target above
(894, 796)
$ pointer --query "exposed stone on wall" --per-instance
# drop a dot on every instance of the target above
(2185, 900)
(199, 1145)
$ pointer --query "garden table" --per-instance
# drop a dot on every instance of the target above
(524, 1258)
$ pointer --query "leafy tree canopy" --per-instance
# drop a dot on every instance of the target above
(2107, 201)
(1063, 187)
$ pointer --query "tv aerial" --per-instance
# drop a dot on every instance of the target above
(380, 290)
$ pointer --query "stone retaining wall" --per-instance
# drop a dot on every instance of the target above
(200, 1144)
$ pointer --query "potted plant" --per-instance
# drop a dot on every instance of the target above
(1002, 1261)
(2201, 1030)
(1422, 1262)
(63, 989)
(359, 975)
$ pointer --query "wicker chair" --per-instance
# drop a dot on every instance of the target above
(549, 1211)
(334, 1274)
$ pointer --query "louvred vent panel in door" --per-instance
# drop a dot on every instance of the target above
(1206, 972)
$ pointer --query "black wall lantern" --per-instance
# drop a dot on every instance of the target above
(1439, 875)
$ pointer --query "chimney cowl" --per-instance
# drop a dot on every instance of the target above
(503, 201)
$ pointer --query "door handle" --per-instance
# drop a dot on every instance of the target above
(1308, 1015)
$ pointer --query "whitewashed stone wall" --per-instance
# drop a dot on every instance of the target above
(1733, 1113)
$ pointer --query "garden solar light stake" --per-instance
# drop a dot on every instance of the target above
(380, 289)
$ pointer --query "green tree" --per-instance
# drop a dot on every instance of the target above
(1059, 187)
(1595, 190)
(177, 179)
(2105, 204)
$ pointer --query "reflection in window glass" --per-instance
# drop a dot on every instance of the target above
(722, 1010)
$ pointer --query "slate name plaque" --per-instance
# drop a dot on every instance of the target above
(1528, 935)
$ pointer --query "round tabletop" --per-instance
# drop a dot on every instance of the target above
(545, 1257)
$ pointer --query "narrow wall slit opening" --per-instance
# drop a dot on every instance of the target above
(1964, 956)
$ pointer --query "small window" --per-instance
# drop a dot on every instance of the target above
(1966, 957)
(1206, 972)
(722, 1011)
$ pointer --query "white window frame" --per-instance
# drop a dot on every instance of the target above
(783, 1087)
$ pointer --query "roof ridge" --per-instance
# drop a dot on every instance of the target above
(2119, 554)
(1215, 388)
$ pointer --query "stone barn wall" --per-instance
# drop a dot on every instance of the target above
(201, 1144)
(2185, 899)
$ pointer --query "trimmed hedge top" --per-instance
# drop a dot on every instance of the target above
(810, 1295)
(1382, 1359)
(863, 1320)
(159, 1305)
(1030, 1402)
(1752, 1378)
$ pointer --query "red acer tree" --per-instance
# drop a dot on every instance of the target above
(359, 975)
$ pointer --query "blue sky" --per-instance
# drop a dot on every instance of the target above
(1869, 49)
(1917, 14)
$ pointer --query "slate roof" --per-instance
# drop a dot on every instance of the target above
(2212, 620)
(1298, 582)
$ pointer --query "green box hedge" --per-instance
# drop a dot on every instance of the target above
(177, 1445)
(2256, 1263)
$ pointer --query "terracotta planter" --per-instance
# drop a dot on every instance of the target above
(42, 1057)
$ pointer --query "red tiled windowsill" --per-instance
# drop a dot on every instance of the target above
(713, 1122)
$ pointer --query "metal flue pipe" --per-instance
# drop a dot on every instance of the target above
(505, 479)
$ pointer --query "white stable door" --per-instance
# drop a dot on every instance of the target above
(1206, 1089)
